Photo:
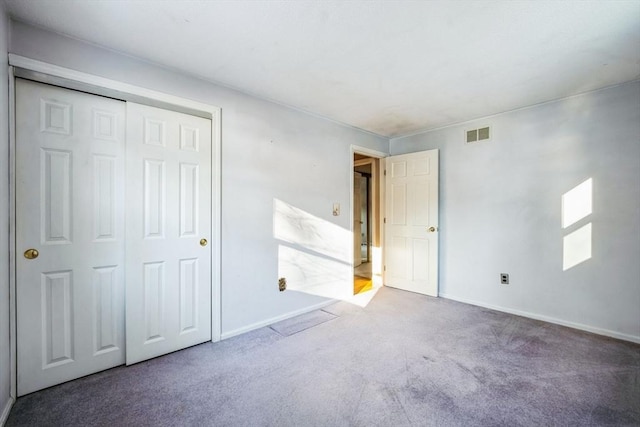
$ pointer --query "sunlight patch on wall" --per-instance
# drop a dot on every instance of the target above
(576, 247)
(577, 205)
(314, 255)
(295, 226)
(313, 274)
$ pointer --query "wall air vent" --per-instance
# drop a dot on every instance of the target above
(476, 135)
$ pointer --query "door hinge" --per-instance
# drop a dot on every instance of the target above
(384, 221)
(385, 268)
(385, 172)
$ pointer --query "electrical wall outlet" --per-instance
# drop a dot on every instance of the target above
(504, 278)
(282, 284)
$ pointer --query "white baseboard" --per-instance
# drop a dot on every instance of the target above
(5, 412)
(276, 319)
(593, 329)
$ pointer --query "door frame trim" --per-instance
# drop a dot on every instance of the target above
(74, 78)
(12, 237)
(380, 155)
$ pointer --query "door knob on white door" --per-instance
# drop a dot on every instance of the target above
(431, 229)
(31, 254)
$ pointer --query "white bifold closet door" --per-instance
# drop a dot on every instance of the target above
(87, 240)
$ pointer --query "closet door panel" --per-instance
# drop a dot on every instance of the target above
(69, 234)
(168, 229)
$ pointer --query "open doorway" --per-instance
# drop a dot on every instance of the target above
(366, 223)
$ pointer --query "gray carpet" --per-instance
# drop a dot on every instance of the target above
(404, 360)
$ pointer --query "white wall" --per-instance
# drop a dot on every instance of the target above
(500, 210)
(269, 153)
(5, 367)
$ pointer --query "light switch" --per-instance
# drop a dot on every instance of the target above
(336, 209)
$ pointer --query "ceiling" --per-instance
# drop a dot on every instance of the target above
(392, 68)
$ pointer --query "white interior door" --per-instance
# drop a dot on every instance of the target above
(411, 228)
(69, 208)
(357, 223)
(168, 274)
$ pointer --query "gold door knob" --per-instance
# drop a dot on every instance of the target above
(31, 254)
(203, 242)
(432, 229)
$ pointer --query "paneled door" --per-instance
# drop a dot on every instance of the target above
(411, 227)
(69, 234)
(168, 226)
